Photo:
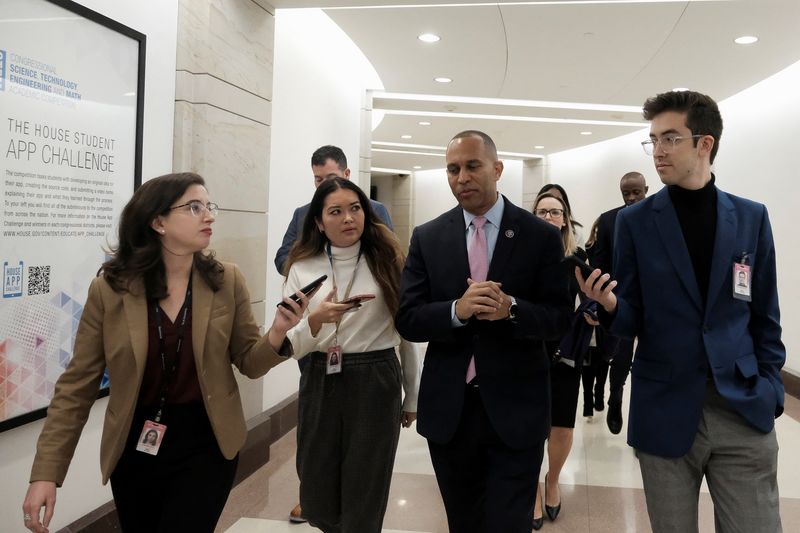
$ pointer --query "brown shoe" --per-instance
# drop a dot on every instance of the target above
(296, 515)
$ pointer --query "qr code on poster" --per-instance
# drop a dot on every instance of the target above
(38, 279)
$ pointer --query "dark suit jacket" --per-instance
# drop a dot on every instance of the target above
(603, 248)
(660, 303)
(296, 226)
(510, 358)
(113, 334)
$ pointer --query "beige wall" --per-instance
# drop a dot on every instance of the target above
(223, 116)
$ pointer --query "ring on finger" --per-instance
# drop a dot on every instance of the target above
(26, 517)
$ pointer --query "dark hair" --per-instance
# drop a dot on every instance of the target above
(378, 244)
(323, 153)
(702, 114)
(138, 252)
(487, 141)
(550, 186)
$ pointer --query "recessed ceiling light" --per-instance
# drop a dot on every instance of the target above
(443, 79)
(131, 93)
(424, 123)
(429, 38)
(405, 136)
(679, 89)
(746, 39)
(586, 133)
(417, 167)
(538, 147)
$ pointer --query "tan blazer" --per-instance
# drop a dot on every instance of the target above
(113, 334)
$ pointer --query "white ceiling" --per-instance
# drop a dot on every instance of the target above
(527, 54)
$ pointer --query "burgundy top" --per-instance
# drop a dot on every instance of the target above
(184, 387)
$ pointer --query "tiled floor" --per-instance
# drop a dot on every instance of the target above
(601, 487)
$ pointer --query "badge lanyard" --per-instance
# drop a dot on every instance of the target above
(742, 279)
(153, 431)
(334, 358)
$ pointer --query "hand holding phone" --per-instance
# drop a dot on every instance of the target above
(307, 290)
(572, 261)
(357, 300)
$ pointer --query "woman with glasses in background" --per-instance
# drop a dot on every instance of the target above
(565, 375)
(167, 321)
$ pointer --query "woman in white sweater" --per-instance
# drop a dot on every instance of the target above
(350, 395)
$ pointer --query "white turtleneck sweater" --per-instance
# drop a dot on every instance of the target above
(366, 329)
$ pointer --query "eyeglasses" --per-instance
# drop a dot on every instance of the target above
(667, 143)
(554, 213)
(198, 209)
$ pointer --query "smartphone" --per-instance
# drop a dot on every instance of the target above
(358, 299)
(308, 289)
(572, 261)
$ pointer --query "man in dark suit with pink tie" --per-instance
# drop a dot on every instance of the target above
(483, 286)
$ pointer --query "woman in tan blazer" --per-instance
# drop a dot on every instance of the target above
(167, 321)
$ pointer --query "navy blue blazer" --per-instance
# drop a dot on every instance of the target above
(510, 358)
(660, 303)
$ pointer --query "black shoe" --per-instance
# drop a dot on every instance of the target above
(614, 418)
(552, 512)
(538, 523)
(587, 409)
(599, 402)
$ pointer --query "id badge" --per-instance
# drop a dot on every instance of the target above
(151, 437)
(742, 278)
(334, 361)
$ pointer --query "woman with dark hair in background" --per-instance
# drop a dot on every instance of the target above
(565, 375)
(167, 320)
(350, 395)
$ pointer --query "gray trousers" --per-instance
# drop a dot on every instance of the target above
(740, 465)
(349, 425)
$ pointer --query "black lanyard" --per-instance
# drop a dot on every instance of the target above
(168, 367)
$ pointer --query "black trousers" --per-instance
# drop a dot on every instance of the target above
(348, 429)
(487, 487)
(619, 369)
(594, 377)
(184, 487)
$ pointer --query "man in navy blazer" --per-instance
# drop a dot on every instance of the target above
(485, 436)
(705, 381)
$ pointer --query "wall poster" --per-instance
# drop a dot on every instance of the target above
(71, 113)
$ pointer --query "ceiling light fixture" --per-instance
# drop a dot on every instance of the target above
(510, 118)
(424, 123)
(443, 79)
(746, 39)
(680, 89)
(405, 136)
(538, 147)
(506, 102)
(520, 155)
(429, 38)
(586, 133)
(417, 167)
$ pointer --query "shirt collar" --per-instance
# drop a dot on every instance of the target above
(494, 215)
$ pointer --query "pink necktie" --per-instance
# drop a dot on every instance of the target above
(478, 267)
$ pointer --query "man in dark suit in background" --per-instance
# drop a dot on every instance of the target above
(634, 189)
(326, 162)
(705, 383)
(483, 286)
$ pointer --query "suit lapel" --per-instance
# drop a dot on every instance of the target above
(457, 233)
(669, 230)
(202, 299)
(135, 304)
(724, 246)
(509, 228)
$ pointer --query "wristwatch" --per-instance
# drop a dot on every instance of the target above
(512, 309)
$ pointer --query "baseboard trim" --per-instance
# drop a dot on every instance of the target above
(262, 430)
(791, 383)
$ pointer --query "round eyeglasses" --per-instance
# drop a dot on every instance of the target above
(198, 209)
(667, 143)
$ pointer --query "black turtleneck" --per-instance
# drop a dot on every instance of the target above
(697, 214)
